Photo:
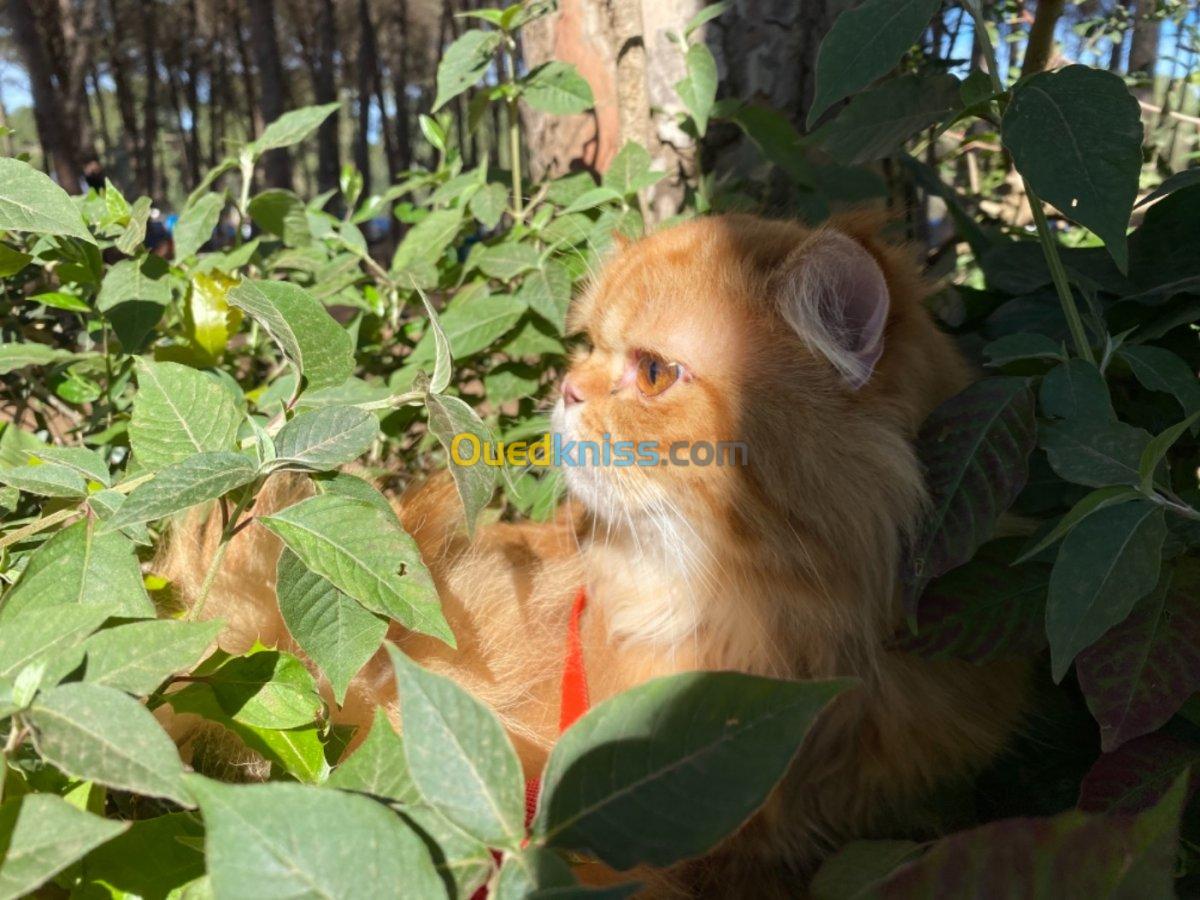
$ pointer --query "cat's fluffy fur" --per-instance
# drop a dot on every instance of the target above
(784, 567)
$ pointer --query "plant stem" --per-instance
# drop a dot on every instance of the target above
(1058, 274)
(514, 132)
(210, 576)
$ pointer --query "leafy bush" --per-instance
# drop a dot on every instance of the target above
(165, 384)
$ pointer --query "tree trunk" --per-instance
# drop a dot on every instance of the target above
(150, 108)
(1143, 48)
(325, 91)
(253, 110)
(126, 106)
(277, 165)
(372, 83)
(400, 75)
(58, 143)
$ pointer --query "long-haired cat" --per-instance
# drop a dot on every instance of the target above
(811, 348)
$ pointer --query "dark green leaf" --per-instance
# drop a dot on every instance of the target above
(880, 120)
(178, 412)
(138, 657)
(864, 43)
(721, 739)
(464, 63)
(1076, 390)
(196, 224)
(31, 202)
(378, 767)
(194, 480)
(1105, 565)
(1094, 452)
(326, 438)
(1076, 135)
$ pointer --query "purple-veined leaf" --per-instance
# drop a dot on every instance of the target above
(1141, 671)
(1136, 776)
(975, 448)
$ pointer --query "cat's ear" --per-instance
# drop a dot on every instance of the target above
(835, 296)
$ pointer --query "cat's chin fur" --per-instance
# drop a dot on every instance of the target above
(786, 567)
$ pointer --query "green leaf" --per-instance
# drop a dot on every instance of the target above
(1156, 450)
(426, 241)
(488, 204)
(864, 43)
(14, 356)
(852, 872)
(877, 122)
(1142, 671)
(299, 752)
(297, 841)
(61, 300)
(1096, 500)
(266, 689)
(326, 438)
(975, 448)
(378, 767)
(30, 202)
(100, 734)
(138, 657)
(196, 224)
(699, 90)
(135, 280)
(1161, 370)
(459, 756)
(152, 858)
(12, 261)
(557, 88)
(448, 418)
(706, 15)
(1076, 390)
(1094, 452)
(464, 63)
(722, 739)
(87, 463)
(510, 381)
(1137, 775)
(333, 630)
(291, 128)
(507, 260)
(1105, 565)
(197, 479)
(41, 635)
(530, 870)
(1076, 135)
(282, 213)
(589, 199)
(81, 566)
(178, 412)
(359, 549)
(443, 359)
(42, 835)
(46, 480)
(776, 138)
(984, 610)
(629, 170)
(473, 321)
(346, 485)
(1013, 347)
(547, 291)
(132, 239)
(312, 340)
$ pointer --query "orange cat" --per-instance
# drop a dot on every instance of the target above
(813, 349)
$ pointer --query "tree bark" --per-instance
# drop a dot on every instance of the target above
(277, 164)
(1143, 48)
(400, 80)
(150, 106)
(253, 110)
(58, 143)
(325, 91)
(126, 105)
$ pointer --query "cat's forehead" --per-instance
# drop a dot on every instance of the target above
(673, 293)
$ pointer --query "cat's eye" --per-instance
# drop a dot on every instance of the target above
(655, 374)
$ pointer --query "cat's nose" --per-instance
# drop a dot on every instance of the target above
(570, 393)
